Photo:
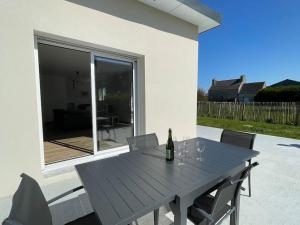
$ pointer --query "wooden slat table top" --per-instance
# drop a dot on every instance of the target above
(128, 186)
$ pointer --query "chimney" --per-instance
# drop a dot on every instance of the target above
(213, 82)
(243, 78)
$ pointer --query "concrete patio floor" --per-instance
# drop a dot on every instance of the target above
(275, 183)
(275, 186)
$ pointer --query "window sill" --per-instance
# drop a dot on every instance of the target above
(69, 165)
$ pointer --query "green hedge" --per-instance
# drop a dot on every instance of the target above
(279, 94)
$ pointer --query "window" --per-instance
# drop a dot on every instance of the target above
(113, 79)
(84, 111)
(102, 93)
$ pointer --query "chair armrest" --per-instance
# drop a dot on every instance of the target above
(64, 194)
(10, 222)
(205, 214)
(237, 181)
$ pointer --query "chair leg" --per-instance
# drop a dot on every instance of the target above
(249, 180)
(156, 216)
(249, 184)
(136, 223)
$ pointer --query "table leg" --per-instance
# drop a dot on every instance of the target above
(156, 216)
(237, 210)
(180, 213)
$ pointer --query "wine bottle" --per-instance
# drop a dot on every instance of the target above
(170, 147)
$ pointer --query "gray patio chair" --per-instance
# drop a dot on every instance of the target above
(29, 206)
(240, 139)
(212, 210)
(142, 142)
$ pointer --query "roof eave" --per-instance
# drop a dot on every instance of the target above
(191, 11)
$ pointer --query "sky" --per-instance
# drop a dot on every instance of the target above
(257, 38)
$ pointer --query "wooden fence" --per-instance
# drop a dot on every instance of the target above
(271, 112)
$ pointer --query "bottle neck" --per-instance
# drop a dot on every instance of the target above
(170, 134)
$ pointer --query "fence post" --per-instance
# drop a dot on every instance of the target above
(275, 112)
(298, 113)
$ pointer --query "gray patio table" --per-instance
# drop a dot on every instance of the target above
(126, 187)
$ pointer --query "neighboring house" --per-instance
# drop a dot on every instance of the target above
(234, 90)
(80, 76)
(286, 82)
(225, 90)
(249, 90)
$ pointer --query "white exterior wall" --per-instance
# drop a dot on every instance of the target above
(166, 46)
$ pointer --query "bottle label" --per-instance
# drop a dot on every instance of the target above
(168, 154)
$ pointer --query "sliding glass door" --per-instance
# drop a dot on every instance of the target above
(114, 102)
(87, 101)
(65, 87)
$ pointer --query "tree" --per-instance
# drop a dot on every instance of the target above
(201, 95)
(279, 94)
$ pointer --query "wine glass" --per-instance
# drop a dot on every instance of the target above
(186, 144)
(200, 148)
(181, 149)
(175, 145)
(134, 145)
(175, 140)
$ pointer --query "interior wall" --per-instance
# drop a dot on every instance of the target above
(78, 90)
(53, 95)
(58, 91)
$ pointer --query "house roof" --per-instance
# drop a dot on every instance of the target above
(286, 82)
(252, 88)
(191, 11)
(226, 84)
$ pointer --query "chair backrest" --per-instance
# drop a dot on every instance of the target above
(229, 189)
(29, 206)
(142, 142)
(241, 139)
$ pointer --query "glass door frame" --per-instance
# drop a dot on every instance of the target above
(93, 56)
(71, 44)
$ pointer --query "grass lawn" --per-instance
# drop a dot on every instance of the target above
(254, 127)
